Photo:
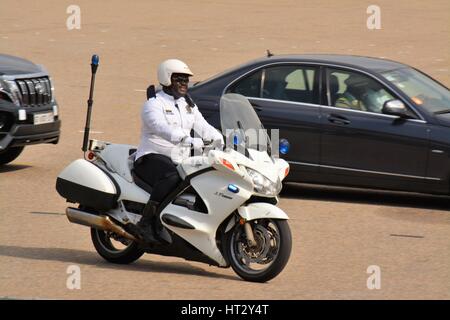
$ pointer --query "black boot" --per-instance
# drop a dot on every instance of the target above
(145, 228)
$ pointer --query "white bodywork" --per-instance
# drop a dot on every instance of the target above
(118, 160)
(119, 163)
(221, 203)
(211, 186)
(261, 210)
(86, 174)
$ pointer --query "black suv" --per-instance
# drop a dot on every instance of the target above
(28, 110)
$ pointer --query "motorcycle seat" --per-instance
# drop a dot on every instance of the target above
(119, 159)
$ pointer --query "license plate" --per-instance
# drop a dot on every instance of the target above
(40, 118)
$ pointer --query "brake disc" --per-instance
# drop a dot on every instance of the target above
(262, 253)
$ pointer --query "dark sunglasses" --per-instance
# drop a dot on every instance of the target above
(180, 79)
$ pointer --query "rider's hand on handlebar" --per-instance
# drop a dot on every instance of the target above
(196, 143)
(217, 141)
(218, 144)
(214, 144)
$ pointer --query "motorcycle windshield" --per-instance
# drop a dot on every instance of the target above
(241, 125)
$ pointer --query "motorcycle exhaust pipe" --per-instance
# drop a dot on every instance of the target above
(100, 222)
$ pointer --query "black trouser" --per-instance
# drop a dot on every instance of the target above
(159, 172)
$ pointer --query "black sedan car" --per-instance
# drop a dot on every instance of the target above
(350, 120)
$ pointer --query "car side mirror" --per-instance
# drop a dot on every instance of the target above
(396, 108)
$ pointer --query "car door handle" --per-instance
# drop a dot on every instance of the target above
(337, 119)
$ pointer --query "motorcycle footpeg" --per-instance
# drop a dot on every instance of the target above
(164, 235)
(143, 236)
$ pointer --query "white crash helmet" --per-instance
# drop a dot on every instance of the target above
(168, 67)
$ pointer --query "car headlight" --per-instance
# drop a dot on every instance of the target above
(4, 91)
(263, 185)
(11, 89)
(52, 89)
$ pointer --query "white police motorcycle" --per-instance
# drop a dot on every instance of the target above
(223, 213)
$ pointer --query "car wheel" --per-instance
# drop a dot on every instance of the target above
(10, 154)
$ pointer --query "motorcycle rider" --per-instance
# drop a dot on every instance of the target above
(167, 121)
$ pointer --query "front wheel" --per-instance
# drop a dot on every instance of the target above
(10, 154)
(267, 258)
(115, 249)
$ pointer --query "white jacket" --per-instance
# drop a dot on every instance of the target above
(164, 126)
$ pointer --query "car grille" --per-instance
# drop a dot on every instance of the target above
(35, 91)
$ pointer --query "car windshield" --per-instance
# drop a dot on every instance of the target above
(241, 125)
(422, 90)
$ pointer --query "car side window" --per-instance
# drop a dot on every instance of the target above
(290, 83)
(353, 90)
(249, 86)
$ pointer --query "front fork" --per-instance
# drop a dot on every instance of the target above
(255, 211)
(247, 228)
(248, 232)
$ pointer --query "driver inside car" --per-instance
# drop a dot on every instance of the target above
(352, 98)
(167, 121)
(363, 94)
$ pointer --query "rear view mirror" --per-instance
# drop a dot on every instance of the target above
(396, 108)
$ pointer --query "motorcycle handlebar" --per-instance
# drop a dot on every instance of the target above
(207, 146)
(207, 143)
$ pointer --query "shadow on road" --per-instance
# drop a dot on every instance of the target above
(93, 259)
(49, 213)
(364, 196)
(13, 167)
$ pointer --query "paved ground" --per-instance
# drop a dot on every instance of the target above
(337, 233)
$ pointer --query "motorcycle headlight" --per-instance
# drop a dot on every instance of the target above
(263, 185)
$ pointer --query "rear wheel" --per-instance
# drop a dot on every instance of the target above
(267, 258)
(10, 154)
(115, 249)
